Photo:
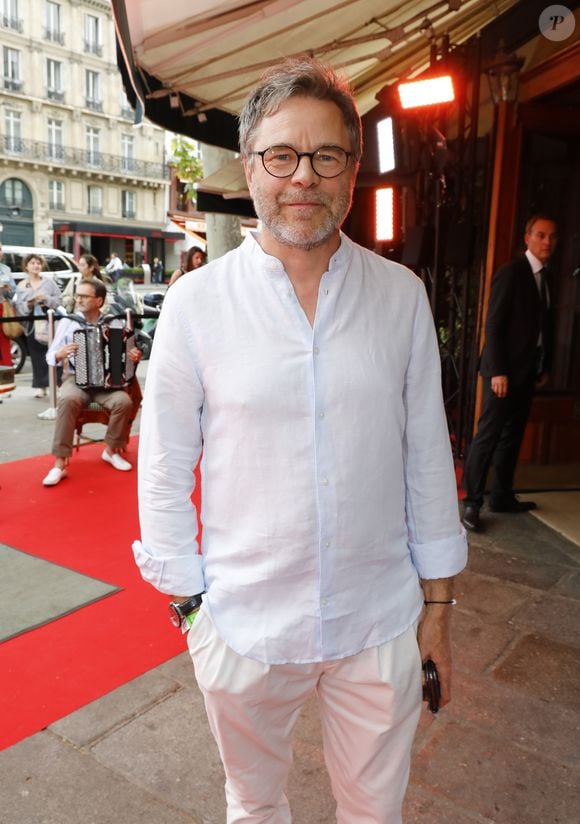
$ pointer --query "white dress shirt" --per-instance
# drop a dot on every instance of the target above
(537, 266)
(327, 479)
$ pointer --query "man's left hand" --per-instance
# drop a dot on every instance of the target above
(135, 354)
(433, 634)
(434, 641)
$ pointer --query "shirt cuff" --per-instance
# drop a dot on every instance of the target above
(177, 575)
(440, 559)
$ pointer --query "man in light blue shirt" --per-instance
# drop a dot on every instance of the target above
(304, 371)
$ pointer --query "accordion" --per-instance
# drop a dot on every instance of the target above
(102, 358)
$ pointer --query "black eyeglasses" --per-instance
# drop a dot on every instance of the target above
(282, 161)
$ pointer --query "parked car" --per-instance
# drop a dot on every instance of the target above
(19, 352)
(59, 265)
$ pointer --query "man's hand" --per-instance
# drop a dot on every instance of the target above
(433, 634)
(66, 351)
(135, 354)
(499, 385)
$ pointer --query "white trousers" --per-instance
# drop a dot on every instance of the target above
(369, 709)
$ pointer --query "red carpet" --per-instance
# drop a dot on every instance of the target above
(87, 523)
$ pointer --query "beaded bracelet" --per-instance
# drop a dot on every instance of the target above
(452, 602)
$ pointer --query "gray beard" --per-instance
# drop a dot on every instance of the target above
(303, 236)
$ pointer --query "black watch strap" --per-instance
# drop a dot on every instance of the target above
(190, 605)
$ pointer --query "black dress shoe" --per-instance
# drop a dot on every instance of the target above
(470, 519)
(513, 506)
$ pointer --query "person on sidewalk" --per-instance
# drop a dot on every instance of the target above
(114, 267)
(157, 271)
(307, 369)
(515, 361)
(90, 297)
(7, 290)
(36, 293)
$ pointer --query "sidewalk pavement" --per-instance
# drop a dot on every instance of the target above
(505, 751)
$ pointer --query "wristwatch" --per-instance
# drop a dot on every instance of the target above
(177, 612)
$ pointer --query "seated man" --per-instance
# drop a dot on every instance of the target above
(90, 298)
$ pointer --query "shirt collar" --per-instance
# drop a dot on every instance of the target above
(536, 264)
(269, 263)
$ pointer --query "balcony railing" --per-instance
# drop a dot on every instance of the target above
(53, 35)
(92, 48)
(130, 213)
(9, 22)
(94, 105)
(11, 85)
(55, 94)
(83, 159)
(56, 205)
(94, 209)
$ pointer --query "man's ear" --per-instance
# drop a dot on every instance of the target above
(248, 164)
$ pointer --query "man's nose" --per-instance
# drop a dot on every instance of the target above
(304, 172)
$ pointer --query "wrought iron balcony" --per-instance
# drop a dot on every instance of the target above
(53, 35)
(9, 22)
(12, 85)
(85, 160)
(94, 105)
(55, 94)
(92, 48)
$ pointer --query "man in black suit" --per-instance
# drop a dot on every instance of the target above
(514, 361)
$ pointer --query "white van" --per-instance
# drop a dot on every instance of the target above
(59, 265)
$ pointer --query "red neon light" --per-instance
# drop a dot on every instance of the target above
(427, 92)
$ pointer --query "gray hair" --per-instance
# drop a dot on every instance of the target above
(299, 77)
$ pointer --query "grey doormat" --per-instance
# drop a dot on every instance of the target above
(34, 591)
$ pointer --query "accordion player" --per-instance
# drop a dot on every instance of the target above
(102, 358)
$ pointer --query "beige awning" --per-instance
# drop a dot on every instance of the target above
(228, 181)
(214, 50)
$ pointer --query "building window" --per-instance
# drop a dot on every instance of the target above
(93, 90)
(9, 17)
(95, 200)
(13, 192)
(128, 203)
(93, 145)
(127, 153)
(13, 131)
(56, 194)
(12, 81)
(54, 80)
(55, 141)
(92, 42)
(53, 23)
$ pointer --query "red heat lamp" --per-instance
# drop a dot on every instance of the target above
(429, 91)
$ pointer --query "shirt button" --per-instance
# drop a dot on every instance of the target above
(327, 544)
(316, 350)
(325, 481)
(324, 602)
(321, 414)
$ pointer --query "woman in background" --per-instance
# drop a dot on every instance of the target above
(34, 294)
(195, 258)
(89, 268)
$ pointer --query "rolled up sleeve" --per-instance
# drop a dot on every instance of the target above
(169, 450)
(437, 541)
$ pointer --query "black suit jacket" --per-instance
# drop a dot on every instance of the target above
(513, 324)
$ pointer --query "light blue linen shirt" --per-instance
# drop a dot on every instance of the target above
(328, 486)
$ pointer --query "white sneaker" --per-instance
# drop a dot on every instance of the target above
(54, 477)
(116, 461)
(40, 393)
